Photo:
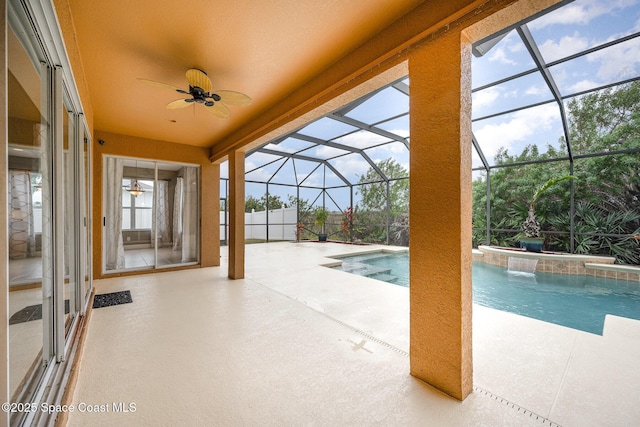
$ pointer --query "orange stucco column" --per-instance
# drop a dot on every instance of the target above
(210, 253)
(440, 215)
(236, 215)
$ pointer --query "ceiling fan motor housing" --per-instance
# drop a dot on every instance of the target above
(201, 96)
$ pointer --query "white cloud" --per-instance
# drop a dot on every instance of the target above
(582, 85)
(618, 62)
(499, 55)
(279, 148)
(385, 151)
(326, 152)
(513, 46)
(517, 127)
(486, 97)
(401, 132)
(568, 44)
(362, 139)
(581, 12)
(350, 166)
(315, 179)
(511, 94)
(261, 175)
(256, 160)
(536, 90)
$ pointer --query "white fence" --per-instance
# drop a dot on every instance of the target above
(282, 224)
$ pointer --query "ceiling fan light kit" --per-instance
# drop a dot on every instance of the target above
(201, 92)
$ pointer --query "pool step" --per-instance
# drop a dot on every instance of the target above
(368, 270)
(384, 277)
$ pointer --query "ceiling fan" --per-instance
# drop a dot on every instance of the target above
(201, 92)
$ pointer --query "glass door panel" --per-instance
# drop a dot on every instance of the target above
(176, 220)
(190, 229)
(86, 212)
(70, 201)
(138, 195)
(167, 253)
(29, 225)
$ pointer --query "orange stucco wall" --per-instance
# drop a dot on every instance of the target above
(129, 146)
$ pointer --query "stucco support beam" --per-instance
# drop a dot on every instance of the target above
(440, 196)
(440, 215)
(236, 215)
(210, 216)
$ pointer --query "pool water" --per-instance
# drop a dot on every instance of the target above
(579, 302)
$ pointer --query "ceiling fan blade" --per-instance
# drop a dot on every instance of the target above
(179, 103)
(219, 110)
(160, 84)
(231, 97)
(198, 78)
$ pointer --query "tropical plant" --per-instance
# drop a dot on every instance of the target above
(347, 223)
(321, 214)
(531, 226)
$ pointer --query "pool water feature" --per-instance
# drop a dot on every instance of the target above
(579, 302)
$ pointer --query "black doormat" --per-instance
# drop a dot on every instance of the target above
(113, 298)
(32, 312)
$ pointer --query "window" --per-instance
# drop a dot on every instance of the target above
(137, 211)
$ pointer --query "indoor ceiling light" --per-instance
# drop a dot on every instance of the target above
(135, 188)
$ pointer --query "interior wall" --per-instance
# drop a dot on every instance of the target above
(106, 143)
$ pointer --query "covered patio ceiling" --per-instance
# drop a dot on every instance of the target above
(265, 49)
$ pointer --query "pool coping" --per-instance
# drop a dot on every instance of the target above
(552, 262)
(338, 258)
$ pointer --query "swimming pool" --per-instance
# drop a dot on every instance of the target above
(579, 302)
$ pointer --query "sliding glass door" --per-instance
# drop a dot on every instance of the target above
(47, 217)
(151, 214)
(30, 234)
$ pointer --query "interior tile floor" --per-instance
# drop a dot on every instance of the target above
(29, 270)
(296, 343)
(137, 258)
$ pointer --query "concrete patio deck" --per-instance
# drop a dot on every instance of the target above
(296, 343)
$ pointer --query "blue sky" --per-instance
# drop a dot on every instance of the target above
(580, 25)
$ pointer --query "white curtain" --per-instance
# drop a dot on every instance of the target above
(22, 236)
(190, 214)
(161, 215)
(177, 215)
(40, 132)
(113, 225)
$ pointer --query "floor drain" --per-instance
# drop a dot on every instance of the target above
(543, 420)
